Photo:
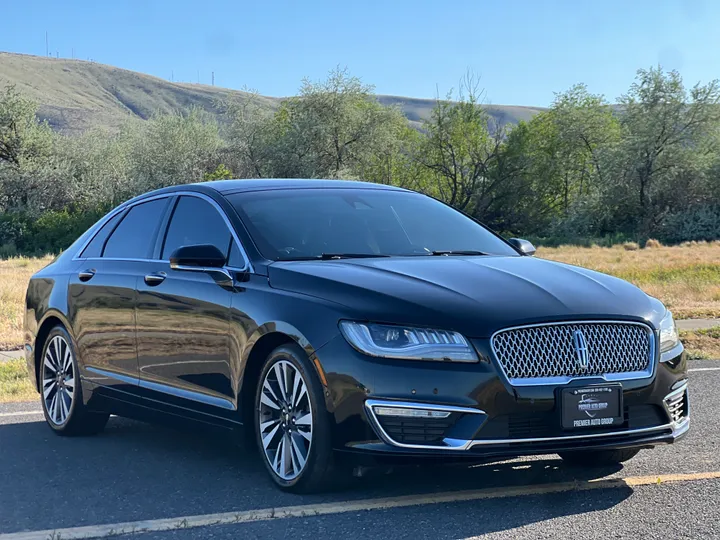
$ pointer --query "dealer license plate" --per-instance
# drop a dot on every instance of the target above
(592, 407)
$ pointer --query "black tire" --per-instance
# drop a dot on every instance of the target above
(78, 420)
(318, 470)
(599, 458)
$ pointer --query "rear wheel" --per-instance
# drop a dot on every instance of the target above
(60, 389)
(291, 422)
(599, 458)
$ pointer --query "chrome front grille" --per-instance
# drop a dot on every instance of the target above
(549, 353)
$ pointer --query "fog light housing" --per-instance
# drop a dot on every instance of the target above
(409, 413)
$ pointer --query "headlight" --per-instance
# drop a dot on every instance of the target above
(668, 333)
(404, 342)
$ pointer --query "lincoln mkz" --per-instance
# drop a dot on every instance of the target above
(342, 322)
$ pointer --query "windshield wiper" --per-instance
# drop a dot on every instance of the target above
(329, 256)
(334, 256)
(439, 253)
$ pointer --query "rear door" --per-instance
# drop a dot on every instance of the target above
(104, 294)
(183, 317)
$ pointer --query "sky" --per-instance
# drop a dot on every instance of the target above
(523, 51)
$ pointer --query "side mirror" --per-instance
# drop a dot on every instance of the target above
(523, 246)
(198, 257)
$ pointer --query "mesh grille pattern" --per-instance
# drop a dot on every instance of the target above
(549, 351)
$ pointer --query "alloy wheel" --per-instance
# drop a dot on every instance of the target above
(58, 380)
(285, 420)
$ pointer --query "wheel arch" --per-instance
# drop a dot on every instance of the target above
(49, 321)
(263, 341)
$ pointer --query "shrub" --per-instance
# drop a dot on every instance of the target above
(699, 223)
(631, 246)
(652, 243)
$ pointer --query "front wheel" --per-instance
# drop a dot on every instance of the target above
(599, 458)
(292, 424)
(60, 389)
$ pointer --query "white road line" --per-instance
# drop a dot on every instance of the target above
(266, 514)
(704, 369)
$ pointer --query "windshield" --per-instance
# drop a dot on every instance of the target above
(307, 224)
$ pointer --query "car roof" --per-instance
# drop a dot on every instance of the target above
(260, 184)
(227, 187)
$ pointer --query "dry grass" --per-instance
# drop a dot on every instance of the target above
(14, 382)
(14, 276)
(702, 344)
(686, 277)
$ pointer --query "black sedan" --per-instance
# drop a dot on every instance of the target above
(343, 321)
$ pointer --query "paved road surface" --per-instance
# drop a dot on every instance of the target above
(136, 472)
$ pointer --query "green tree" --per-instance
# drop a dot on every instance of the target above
(668, 134)
(458, 148)
(22, 135)
(333, 129)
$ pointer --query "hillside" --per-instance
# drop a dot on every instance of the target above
(75, 95)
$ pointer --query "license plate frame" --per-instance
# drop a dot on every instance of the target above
(592, 407)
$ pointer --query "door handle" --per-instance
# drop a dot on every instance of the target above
(86, 275)
(155, 279)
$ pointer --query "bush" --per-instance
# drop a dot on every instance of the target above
(52, 232)
(699, 223)
(652, 243)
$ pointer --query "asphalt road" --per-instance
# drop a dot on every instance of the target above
(135, 472)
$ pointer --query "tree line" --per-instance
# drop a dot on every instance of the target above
(581, 171)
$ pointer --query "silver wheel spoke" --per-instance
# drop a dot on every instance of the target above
(276, 461)
(63, 406)
(268, 438)
(58, 377)
(298, 380)
(268, 387)
(48, 386)
(67, 361)
(55, 353)
(265, 425)
(269, 402)
(298, 453)
(285, 420)
(281, 379)
(294, 461)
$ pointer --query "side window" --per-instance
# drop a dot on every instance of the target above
(95, 247)
(134, 238)
(235, 258)
(195, 221)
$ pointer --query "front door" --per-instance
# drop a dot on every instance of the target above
(183, 318)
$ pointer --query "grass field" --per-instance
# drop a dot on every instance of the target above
(686, 278)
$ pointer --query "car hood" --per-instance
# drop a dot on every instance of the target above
(473, 295)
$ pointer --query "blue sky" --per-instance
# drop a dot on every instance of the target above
(523, 50)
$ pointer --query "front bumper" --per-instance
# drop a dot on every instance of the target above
(488, 417)
(676, 428)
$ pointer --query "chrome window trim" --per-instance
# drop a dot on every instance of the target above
(558, 381)
(125, 206)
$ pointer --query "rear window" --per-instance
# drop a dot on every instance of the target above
(135, 237)
(95, 247)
